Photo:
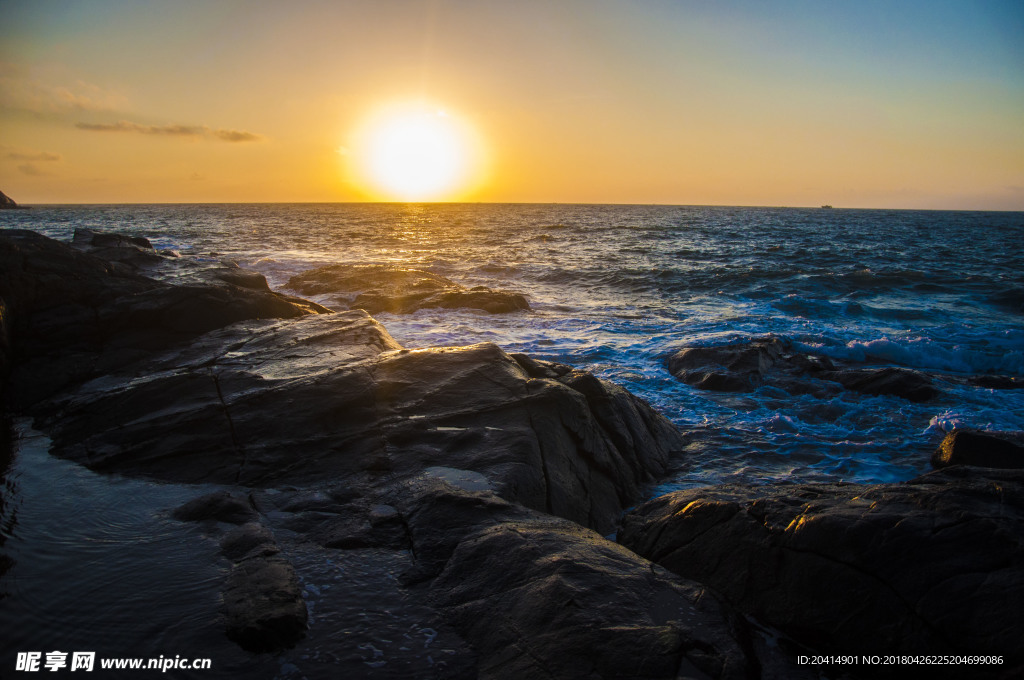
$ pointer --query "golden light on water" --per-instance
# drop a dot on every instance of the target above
(416, 152)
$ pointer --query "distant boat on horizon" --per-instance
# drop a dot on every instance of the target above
(826, 207)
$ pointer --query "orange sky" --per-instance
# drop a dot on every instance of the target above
(738, 103)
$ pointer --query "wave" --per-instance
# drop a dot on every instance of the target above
(925, 353)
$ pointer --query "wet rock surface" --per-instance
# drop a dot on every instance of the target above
(924, 567)
(980, 449)
(388, 288)
(746, 366)
(538, 596)
(71, 316)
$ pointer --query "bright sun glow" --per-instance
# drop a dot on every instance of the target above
(417, 153)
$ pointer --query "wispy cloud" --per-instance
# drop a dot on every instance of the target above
(128, 126)
(21, 92)
(44, 156)
(174, 130)
(236, 136)
(31, 170)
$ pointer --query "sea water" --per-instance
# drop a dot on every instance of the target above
(616, 289)
(613, 290)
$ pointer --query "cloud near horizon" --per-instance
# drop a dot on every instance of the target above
(32, 171)
(172, 131)
(44, 156)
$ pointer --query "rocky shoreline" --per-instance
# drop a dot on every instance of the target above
(492, 478)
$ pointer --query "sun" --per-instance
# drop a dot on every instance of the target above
(416, 153)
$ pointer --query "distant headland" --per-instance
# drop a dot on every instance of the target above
(7, 203)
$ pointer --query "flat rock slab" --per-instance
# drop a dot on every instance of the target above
(931, 566)
(399, 290)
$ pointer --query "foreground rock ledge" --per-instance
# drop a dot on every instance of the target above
(931, 566)
(540, 597)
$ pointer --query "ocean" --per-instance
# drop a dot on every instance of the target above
(616, 289)
(613, 290)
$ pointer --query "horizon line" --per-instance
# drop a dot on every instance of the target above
(552, 203)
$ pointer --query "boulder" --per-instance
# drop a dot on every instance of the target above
(389, 288)
(746, 366)
(729, 368)
(263, 604)
(897, 382)
(221, 506)
(997, 382)
(981, 449)
(931, 566)
(134, 251)
(71, 316)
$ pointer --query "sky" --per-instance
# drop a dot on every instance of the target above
(910, 104)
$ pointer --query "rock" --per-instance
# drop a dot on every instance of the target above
(746, 366)
(7, 203)
(248, 540)
(540, 597)
(88, 238)
(924, 567)
(242, 277)
(263, 604)
(333, 397)
(898, 382)
(71, 316)
(134, 251)
(222, 506)
(730, 368)
(388, 288)
(997, 382)
(981, 449)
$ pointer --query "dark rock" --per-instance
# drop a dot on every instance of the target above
(388, 288)
(248, 540)
(89, 238)
(537, 368)
(539, 597)
(242, 277)
(134, 251)
(980, 449)
(997, 382)
(71, 316)
(744, 367)
(731, 368)
(897, 382)
(5, 347)
(7, 203)
(263, 604)
(360, 528)
(331, 397)
(222, 506)
(924, 567)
